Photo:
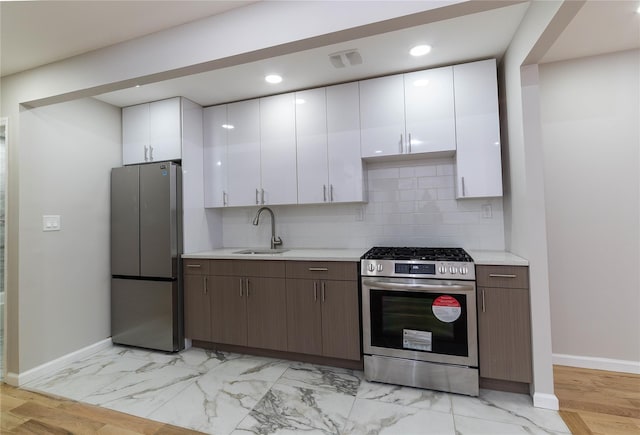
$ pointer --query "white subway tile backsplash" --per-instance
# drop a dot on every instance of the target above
(411, 203)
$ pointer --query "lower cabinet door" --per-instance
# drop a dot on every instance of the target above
(340, 319)
(304, 321)
(228, 310)
(267, 313)
(197, 308)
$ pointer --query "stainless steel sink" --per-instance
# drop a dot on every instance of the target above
(260, 251)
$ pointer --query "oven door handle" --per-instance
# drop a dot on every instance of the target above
(386, 285)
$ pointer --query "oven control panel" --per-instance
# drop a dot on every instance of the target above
(418, 269)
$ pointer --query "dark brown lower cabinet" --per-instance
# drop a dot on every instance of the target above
(504, 334)
(197, 308)
(323, 318)
(266, 313)
(228, 310)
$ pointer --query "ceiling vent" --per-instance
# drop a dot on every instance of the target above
(341, 59)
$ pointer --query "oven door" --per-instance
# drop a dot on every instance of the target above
(420, 319)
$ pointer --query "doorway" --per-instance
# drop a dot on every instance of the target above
(3, 189)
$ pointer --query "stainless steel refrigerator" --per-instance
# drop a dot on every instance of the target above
(146, 244)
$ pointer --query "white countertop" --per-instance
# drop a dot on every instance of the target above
(298, 254)
(496, 258)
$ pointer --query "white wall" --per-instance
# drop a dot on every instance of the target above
(411, 203)
(67, 151)
(591, 130)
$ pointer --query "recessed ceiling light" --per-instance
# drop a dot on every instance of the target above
(273, 78)
(420, 50)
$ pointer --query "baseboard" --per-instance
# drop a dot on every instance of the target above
(20, 379)
(589, 362)
(546, 401)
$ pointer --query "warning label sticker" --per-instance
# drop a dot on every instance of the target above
(446, 308)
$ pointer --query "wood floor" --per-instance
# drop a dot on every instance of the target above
(598, 402)
(591, 402)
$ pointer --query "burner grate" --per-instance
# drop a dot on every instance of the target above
(417, 253)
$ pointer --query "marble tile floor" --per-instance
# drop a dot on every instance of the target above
(224, 393)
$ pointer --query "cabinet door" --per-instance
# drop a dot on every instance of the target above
(504, 334)
(343, 127)
(304, 324)
(278, 149)
(478, 163)
(228, 310)
(267, 313)
(311, 138)
(429, 111)
(340, 320)
(135, 134)
(165, 130)
(197, 308)
(243, 153)
(382, 116)
(215, 156)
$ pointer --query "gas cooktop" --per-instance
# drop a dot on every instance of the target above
(417, 253)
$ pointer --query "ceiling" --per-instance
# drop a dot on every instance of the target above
(36, 33)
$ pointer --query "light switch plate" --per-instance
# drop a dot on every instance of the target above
(486, 211)
(51, 222)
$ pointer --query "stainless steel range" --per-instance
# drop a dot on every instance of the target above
(419, 318)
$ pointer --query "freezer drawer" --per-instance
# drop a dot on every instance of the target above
(146, 314)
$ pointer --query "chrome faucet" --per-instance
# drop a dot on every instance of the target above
(275, 241)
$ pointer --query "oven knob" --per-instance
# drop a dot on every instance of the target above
(452, 270)
(371, 267)
(379, 267)
(463, 270)
(442, 269)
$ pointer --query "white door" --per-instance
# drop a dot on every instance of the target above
(382, 116)
(216, 128)
(135, 134)
(278, 149)
(478, 161)
(311, 137)
(243, 153)
(165, 130)
(343, 124)
(429, 111)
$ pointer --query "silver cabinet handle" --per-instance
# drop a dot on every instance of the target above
(206, 289)
(318, 269)
(194, 266)
(331, 192)
(500, 275)
(248, 288)
(145, 154)
(463, 190)
(262, 195)
(323, 291)
(401, 145)
(324, 192)
(409, 143)
(225, 198)
(150, 153)
(257, 193)
(483, 307)
(241, 280)
(315, 290)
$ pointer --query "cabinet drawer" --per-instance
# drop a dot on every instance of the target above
(502, 276)
(333, 270)
(255, 268)
(195, 266)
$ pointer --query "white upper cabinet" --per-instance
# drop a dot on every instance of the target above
(343, 143)
(429, 111)
(243, 153)
(216, 129)
(311, 138)
(152, 132)
(478, 161)
(382, 116)
(408, 114)
(278, 150)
